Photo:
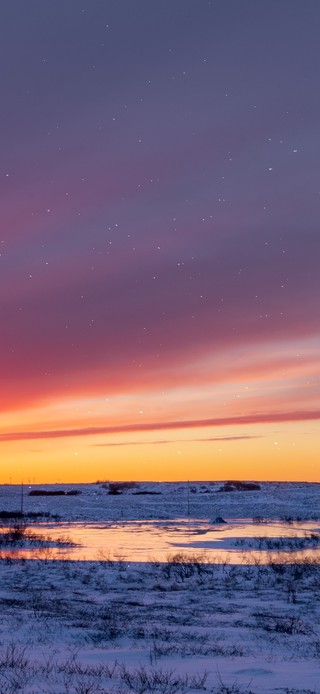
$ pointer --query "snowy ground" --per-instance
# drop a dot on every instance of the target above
(182, 625)
(167, 501)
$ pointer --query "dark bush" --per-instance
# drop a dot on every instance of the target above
(45, 492)
(120, 487)
(237, 486)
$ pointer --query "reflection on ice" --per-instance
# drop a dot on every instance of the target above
(139, 541)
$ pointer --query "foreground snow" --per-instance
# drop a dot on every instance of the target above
(183, 625)
(179, 626)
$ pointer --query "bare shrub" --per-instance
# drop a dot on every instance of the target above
(105, 558)
(111, 624)
(13, 657)
(182, 565)
(283, 624)
(233, 688)
(15, 533)
(198, 681)
(141, 680)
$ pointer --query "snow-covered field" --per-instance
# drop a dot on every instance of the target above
(168, 500)
(178, 625)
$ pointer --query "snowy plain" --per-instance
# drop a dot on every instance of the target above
(184, 622)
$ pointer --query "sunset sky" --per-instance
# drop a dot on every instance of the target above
(159, 240)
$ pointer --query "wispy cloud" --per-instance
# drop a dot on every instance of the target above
(263, 418)
(165, 441)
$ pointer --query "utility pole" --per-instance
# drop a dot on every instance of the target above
(21, 505)
(188, 498)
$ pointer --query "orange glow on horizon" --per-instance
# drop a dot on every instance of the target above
(263, 451)
(242, 424)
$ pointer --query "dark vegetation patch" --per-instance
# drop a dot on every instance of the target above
(120, 487)
(144, 493)
(45, 492)
(237, 486)
(7, 515)
(55, 492)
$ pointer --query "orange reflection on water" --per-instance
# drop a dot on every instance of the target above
(141, 541)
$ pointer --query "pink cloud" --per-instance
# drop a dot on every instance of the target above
(250, 419)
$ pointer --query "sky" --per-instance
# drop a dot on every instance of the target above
(159, 240)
